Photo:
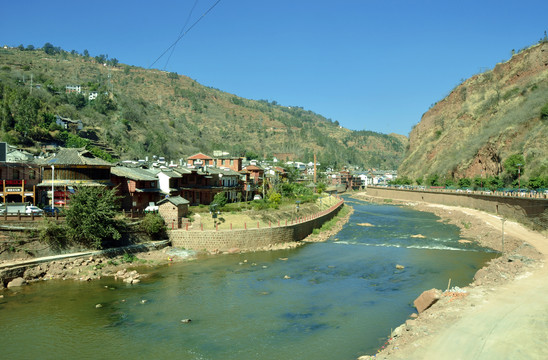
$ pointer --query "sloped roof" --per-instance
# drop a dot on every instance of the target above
(137, 174)
(75, 156)
(253, 168)
(167, 172)
(199, 156)
(182, 170)
(175, 200)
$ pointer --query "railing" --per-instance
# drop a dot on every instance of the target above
(441, 189)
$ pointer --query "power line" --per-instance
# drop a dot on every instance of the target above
(186, 32)
(181, 32)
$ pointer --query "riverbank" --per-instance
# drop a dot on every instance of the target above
(476, 321)
(125, 267)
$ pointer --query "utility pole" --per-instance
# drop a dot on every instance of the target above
(314, 168)
(503, 220)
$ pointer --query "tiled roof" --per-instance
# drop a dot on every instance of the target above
(136, 174)
(75, 157)
(175, 200)
(199, 156)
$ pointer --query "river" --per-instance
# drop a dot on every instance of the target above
(332, 300)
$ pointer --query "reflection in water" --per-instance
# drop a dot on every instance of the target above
(337, 299)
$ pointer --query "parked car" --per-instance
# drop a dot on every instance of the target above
(31, 209)
(257, 197)
(51, 210)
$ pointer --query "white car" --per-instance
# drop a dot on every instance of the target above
(31, 209)
(257, 197)
(151, 209)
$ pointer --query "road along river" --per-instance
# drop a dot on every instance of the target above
(332, 300)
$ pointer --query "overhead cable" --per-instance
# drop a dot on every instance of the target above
(186, 32)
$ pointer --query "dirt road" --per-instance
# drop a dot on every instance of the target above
(509, 321)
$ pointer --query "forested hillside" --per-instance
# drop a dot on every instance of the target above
(141, 112)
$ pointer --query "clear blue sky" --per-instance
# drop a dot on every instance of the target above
(370, 64)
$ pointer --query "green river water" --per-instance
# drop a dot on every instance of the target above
(340, 302)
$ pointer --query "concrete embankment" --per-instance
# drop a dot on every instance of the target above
(530, 211)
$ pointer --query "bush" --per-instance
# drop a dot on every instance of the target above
(154, 225)
(54, 234)
(544, 112)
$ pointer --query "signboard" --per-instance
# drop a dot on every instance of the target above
(13, 189)
(14, 182)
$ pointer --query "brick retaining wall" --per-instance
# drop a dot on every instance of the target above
(224, 240)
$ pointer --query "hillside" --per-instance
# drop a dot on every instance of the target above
(492, 118)
(141, 112)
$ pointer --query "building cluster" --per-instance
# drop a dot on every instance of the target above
(197, 179)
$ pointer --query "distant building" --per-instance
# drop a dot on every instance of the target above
(200, 160)
(69, 124)
(73, 88)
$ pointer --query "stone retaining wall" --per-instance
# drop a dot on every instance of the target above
(250, 239)
(531, 211)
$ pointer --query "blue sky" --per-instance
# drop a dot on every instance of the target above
(371, 64)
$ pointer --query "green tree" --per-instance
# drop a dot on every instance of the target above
(464, 183)
(514, 165)
(49, 48)
(219, 199)
(91, 218)
(433, 180)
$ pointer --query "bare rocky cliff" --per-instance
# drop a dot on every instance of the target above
(484, 120)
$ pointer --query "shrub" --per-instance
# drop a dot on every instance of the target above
(54, 234)
(154, 225)
(544, 112)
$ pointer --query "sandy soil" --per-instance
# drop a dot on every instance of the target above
(503, 314)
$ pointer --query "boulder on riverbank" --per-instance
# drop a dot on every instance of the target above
(427, 299)
(17, 282)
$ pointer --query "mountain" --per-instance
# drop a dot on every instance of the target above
(140, 112)
(487, 124)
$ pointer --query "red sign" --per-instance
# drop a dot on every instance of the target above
(14, 182)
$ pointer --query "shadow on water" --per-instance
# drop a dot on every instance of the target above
(339, 297)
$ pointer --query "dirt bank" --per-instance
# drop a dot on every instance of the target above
(123, 267)
(501, 314)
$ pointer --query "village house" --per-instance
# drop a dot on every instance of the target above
(172, 209)
(137, 187)
(169, 180)
(200, 160)
(69, 169)
(69, 124)
(19, 175)
(73, 89)
(233, 163)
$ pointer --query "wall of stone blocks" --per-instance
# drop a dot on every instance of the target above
(225, 240)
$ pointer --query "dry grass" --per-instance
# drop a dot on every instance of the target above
(261, 218)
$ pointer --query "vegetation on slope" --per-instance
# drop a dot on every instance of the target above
(485, 121)
(142, 112)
